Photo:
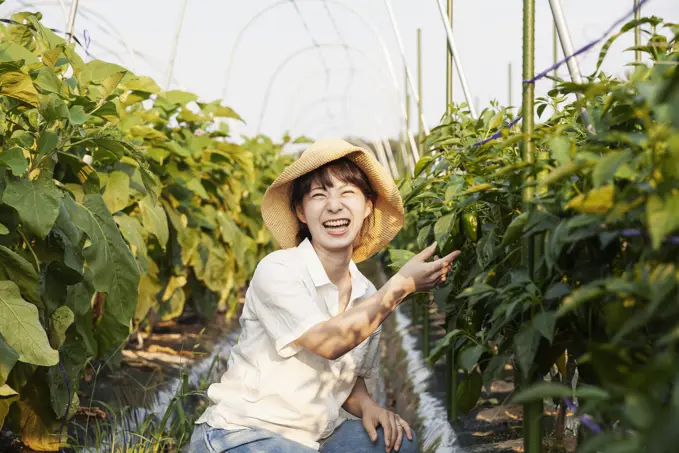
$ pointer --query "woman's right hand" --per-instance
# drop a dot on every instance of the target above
(418, 274)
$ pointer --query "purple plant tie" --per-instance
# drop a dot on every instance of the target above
(87, 39)
(586, 419)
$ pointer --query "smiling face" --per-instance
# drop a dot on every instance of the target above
(332, 205)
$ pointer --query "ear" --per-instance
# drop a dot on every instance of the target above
(368, 209)
(300, 214)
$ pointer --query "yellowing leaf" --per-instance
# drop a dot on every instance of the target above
(16, 84)
(662, 217)
(60, 321)
(596, 201)
(154, 219)
(117, 194)
(21, 328)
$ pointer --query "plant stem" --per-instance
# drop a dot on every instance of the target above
(28, 244)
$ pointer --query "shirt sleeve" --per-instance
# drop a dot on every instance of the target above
(284, 305)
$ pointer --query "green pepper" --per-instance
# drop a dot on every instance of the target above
(470, 223)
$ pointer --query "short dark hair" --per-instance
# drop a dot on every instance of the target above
(343, 169)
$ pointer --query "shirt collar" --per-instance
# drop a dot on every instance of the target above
(320, 277)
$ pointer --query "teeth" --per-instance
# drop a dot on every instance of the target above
(336, 223)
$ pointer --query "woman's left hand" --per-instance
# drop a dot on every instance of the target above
(392, 425)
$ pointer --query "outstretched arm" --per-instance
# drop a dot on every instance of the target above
(335, 337)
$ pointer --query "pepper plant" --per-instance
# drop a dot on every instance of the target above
(605, 221)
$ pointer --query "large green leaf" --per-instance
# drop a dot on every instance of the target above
(37, 201)
(14, 159)
(21, 328)
(154, 219)
(113, 266)
(15, 268)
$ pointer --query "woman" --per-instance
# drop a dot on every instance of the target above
(311, 321)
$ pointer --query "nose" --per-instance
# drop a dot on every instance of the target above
(334, 204)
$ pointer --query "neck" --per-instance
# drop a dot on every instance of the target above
(335, 263)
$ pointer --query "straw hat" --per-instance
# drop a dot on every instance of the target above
(387, 212)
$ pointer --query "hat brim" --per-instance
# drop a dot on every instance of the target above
(387, 214)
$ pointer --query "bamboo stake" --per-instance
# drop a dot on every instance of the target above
(71, 21)
(420, 138)
(449, 61)
(175, 43)
(637, 32)
(532, 433)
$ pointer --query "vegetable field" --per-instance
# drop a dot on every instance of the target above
(569, 259)
(124, 206)
(119, 206)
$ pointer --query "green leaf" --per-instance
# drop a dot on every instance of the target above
(443, 345)
(3, 230)
(14, 159)
(53, 108)
(544, 323)
(444, 227)
(134, 234)
(144, 84)
(542, 390)
(494, 369)
(117, 193)
(468, 392)
(16, 84)
(21, 329)
(470, 356)
(526, 344)
(179, 97)
(113, 266)
(398, 258)
(605, 170)
(47, 81)
(8, 358)
(15, 268)
(515, 229)
(662, 217)
(422, 164)
(47, 143)
(37, 201)
(154, 219)
(60, 321)
(12, 52)
(596, 201)
(77, 115)
(579, 297)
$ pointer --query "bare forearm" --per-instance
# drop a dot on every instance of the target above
(337, 336)
(358, 398)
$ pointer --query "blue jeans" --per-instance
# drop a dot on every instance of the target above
(350, 437)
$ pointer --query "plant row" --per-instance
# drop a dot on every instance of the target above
(120, 204)
(570, 254)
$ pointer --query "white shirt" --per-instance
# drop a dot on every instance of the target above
(272, 383)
